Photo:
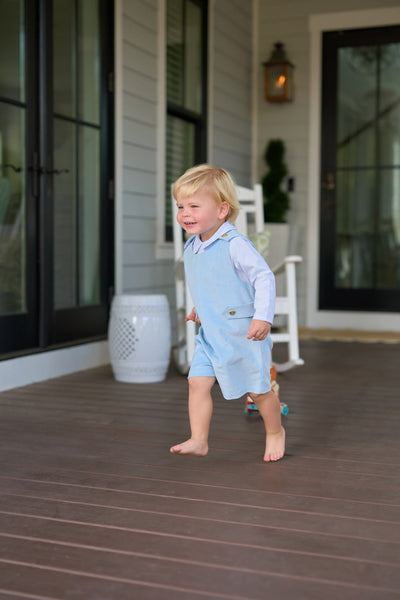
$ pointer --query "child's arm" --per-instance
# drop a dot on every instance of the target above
(251, 267)
(258, 330)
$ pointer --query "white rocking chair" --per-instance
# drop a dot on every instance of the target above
(250, 220)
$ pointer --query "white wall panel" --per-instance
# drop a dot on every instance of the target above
(140, 271)
(231, 110)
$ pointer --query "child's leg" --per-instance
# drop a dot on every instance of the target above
(269, 408)
(200, 412)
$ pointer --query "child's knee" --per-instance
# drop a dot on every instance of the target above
(257, 397)
(201, 384)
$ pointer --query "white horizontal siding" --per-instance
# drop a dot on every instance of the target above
(139, 205)
(141, 272)
(143, 12)
(134, 105)
(231, 109)
(143, 61)
(138, 155)
(135, 132)
(140, 86)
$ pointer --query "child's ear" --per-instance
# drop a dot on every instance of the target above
(224, 210)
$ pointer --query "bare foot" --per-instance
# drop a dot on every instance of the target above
(191, 447)
(275, 446)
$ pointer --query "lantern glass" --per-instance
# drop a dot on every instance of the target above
(278, 77)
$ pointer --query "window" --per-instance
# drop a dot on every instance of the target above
(186, 64)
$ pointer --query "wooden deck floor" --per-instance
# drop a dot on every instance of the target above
(93, 506)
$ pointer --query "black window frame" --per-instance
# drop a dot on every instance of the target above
(198, 120)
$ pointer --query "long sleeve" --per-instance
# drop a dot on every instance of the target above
(251, 267)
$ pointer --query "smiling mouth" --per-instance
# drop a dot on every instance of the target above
(190, 224)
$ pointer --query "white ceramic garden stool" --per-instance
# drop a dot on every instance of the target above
(139, 337)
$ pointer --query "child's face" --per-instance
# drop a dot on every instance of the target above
(200, 214)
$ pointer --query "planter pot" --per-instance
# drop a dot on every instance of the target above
(139, 336)
(278, 242)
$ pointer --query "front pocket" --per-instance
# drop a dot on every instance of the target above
(244, 311)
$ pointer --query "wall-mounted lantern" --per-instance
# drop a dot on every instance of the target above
(278, 76)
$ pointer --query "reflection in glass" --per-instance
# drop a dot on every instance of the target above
(64, 58)
(65, 217)
(355, 229)
(357, 69)
(175, 51)
(389, 103)
(367, 249)
(193, 58)
(179, 157)
(388, 259)
(89, 61)
(184, 54)
(89, 215)
(12, 210)
(12, 50)
(77, 148)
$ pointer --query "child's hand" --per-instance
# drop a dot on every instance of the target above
(193, 317)
(258, 330)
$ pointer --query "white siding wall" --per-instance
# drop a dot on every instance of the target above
(288, 22)
(231, 93)
(140, 271)
(137, 163)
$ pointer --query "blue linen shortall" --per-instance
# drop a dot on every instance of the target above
(225, 307)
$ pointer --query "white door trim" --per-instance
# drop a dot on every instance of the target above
(374, 321)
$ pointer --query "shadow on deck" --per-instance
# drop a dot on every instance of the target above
(93, 506)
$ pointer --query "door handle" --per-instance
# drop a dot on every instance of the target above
(45, 171)
(56, 171)
(37, 170)
(14, 168)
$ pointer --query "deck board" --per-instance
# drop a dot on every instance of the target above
(93, 506)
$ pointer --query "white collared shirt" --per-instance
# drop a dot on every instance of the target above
(249, 266)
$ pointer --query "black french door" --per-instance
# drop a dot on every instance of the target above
(360, 178)
(56, 171)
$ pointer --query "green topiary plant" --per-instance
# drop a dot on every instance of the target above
(276, 202)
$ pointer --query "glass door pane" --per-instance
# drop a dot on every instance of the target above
(13, 293)
(12, 50)
(64, 57)
(89, 215)
(12, 210)
(193, 60)
(89, 61)
(65, 217)
(77, 129)
(367, 212)
(388, 230)
(357, 69)
(180, 153)
(360, 192)
(354, 229)
(356, 154)
(55, 165)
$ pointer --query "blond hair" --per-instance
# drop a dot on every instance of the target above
(218, 182)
